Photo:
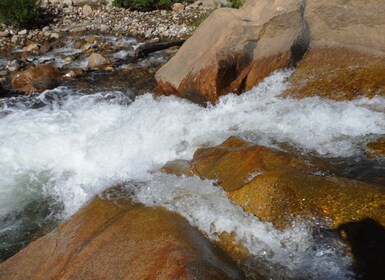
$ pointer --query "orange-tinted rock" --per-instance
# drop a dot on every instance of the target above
(279, 187)
(236, 162)
(178, 167)
(376, 149)
(339, 74)
(233, 50)
(36, 79)
(120, 240)
(279, 197)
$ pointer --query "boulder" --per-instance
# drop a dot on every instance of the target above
(36, 79)
(116, 239)
(236, 162)
(233, 50)
(96, 60)
(280, 188)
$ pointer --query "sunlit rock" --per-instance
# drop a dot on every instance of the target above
(115, 238)
(281, 188)
(36, 79)
(336, 47)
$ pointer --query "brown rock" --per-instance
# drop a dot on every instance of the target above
(36, 79)
(233, 50)
(376, 149)
(279, 187)
(279, 196)
(87, 10)
(96, 60)
(236, 162)
(119, 240)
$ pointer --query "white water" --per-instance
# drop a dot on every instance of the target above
(77, 146)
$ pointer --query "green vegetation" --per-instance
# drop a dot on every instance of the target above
(236, 3)
(23, 13)
(144, 4)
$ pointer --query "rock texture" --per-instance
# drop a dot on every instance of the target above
(119, 240)
(36, 79)
(235, 49)
(376, 149)
(278, 187)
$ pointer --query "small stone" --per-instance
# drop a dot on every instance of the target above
(4, 33)
(47, 33)
(31, 47)
(87, 10)
(14, 38)
(22, 32)
(104, 28)
(3, 73)
(68, 3)
(178, 7)
(96, 60)
(45, 28)
(55, 35)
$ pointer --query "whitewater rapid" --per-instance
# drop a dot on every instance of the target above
(71, 147)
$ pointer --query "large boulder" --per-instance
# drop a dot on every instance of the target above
(36, 79)
(235, 49)
(116, 239)
(278, 187)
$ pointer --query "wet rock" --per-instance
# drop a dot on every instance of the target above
(236, 162)
(336, 49)
(74, 73)
(280, 188)
(376, 149)
(36, 79)
(125, 240)
(96, 60)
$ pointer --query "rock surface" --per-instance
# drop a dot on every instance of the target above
(96, 60)
(124, 241)
(376, 149)
(36, 79)
(278, 187)
(235, 49)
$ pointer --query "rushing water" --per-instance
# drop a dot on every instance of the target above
(65, 147)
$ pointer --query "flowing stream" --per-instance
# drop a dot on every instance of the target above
(62, 148)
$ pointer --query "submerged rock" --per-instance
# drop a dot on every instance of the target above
(335, 46)
(124, 241)
(36, 79)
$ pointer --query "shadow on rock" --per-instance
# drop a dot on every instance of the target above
(367, 241)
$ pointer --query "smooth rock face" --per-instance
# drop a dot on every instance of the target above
(36, 79)
(235, 49)
(120, 240)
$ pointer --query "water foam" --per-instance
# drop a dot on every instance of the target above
(293, 253)
(75, 146)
